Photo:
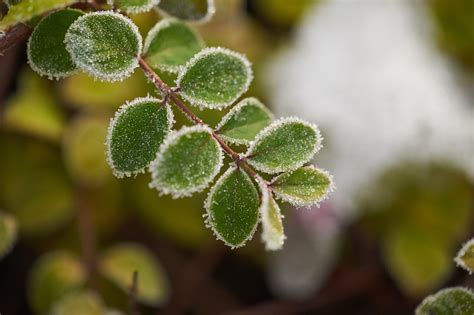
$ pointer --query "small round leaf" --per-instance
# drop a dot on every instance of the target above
(465, 256)
(52, 277)
(233, 208)
(105, 45)
(134, 6)
(170, 44)
(80, 303)
(284, 146)
(215, 78)
(8, 233)
(135, 135)
(120, 262)
(303, 187)
(47, 54)
(244, 121)
(273, 234)
(451, 301)
(189, 10)
(187, 162)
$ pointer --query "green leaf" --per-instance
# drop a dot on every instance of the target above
(450, 301)
(244, 121)
(53, 276)
(273, 234)
(134, 6)
(8, 233)
(80, 303)
(28, 9)
(105, 45)
(120, 262)
(47, 54)
(465, 256)
(215, 78)
(233, 208)
(170, 44)
(13, 2)
(83, 150)
(187, 162)
(305, 186)
(135, 135)
(284, 146)
(189, 10)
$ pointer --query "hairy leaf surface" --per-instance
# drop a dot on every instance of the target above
(134, 6)
(451, 301)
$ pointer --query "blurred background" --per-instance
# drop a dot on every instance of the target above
(389, 82)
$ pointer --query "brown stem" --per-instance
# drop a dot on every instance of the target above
(132, 303)
(171, 94)
(13, 36)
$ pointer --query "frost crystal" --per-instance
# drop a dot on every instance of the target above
(465, 257)
(134, 6)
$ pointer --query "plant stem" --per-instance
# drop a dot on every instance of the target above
(132, 303)
(171, 94)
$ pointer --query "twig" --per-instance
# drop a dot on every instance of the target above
(13, 36)
(132, 302)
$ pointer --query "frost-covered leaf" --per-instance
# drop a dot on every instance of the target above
(79, 303)
(53, 276)
(119, 263)
(232, 208)
(273, 234)
(83, 150)
(244, 121)
(187, 162)
(170, 44)
(105, 45)
(134, 6)
(47, 54)
(8, 233)
(304, 186)
(189, 10)
(451, 301)
(465, 256)
(136, 133)
(28, 9)
(215, 78)
(284, 146)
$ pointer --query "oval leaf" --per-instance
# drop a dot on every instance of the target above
(451, 301)
(215, 78)
(52, 277)
(284, 146)
(47, 54)
(189, 10)
(272, 226)
(105, 45)
(135, 135)
(303, 187)
(170, 44)
(187, 162)
(120, 262)
(28, 9)
(133, 6)
(8, 233)
(465, 257)
(244, 121)
(232, 208)
(80, 303)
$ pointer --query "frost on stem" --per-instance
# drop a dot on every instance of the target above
(232, 208)
(135, 134)
(105, 45)
(198, 11)
(465, 256)
(215, 78)
(186, 162)
(134, 6)
(285, 145)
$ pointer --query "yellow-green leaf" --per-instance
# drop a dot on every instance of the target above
(8, 233)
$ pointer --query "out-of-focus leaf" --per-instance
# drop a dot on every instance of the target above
(8, 233)
(134, 6)
(120, 262)
(273, 234)
(189, 10)
(52, 277)
(34, 185)
(451, 301)
(282, 13)
(28, 9)
(79, 303)
(84, 152)
(465, 256)
(34, 109)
